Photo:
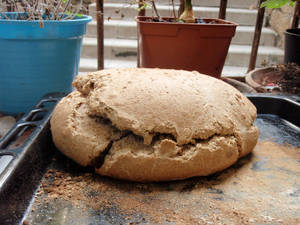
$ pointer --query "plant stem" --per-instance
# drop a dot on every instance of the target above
(73, 15)
(155, 9)
(188, 4)
(188, 15)
(181, 7)
(56, 9)
(65, 9)
(40, 9)
(173, 7)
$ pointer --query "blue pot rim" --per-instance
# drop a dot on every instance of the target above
(78, 20)
(48, 29)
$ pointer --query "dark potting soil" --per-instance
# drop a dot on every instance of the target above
(172, 20)
(290, 82)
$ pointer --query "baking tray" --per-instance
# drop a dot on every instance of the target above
(261, 188)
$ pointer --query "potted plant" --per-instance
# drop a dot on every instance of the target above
(184, 42)
(40, 44)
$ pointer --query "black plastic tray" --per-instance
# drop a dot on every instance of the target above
(278, 121)
(22, 167)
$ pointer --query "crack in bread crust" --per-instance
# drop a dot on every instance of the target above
(99, 160)
(164, 146)
(167, 161)
(78, 135)
(164, 140)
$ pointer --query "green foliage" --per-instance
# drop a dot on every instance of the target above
(271, 4)
(68, 12)
(144, 6)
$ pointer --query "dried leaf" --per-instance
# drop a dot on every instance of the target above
(41, 24)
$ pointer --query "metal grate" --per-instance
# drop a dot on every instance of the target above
(25, 152)
(14, 144)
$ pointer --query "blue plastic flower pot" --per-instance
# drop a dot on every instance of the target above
(35, 60)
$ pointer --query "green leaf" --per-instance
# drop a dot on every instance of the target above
(292, 4)
(144, 6)
(271, 4)
(68, 12)
(64, 1)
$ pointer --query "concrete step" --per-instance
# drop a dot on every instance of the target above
(234, 71)
(114, 29)
(90, 65)
(246, 4)
(122, 49)
(129, 12)
(239, 55)
(113, 49)
(244, 36)
(123, 29)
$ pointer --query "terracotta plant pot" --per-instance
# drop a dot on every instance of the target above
(259, 79)
(200, 47)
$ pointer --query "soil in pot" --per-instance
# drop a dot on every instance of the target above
(173, 20)
(290, 81)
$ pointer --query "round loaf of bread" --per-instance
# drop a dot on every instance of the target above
(154, 124)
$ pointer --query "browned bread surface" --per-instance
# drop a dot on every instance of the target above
(159, 124)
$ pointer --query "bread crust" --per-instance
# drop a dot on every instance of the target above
(187, 105)
(163, 124)
(131, 159)
(78, 135)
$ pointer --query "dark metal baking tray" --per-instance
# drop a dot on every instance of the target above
(41, 186)
(25, 152)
